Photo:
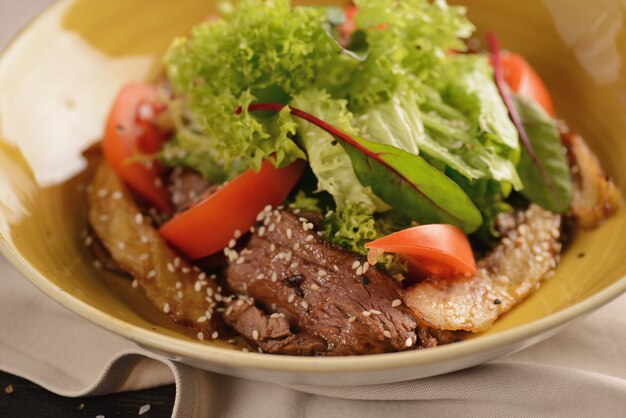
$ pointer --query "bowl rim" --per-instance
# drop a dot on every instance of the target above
(284, 363)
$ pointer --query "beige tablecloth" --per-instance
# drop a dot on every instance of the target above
(579, 373)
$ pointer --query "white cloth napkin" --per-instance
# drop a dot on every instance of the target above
(578, 373)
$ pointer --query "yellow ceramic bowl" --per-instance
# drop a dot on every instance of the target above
(57, 80)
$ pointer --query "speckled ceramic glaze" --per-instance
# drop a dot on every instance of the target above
(57, 80)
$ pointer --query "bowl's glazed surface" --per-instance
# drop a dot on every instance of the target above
(59, 76)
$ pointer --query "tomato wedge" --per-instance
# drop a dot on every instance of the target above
(524, 80)
(207, 227)
(431, 250)
(130, 131)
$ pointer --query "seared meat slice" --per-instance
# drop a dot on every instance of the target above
(187, 188)
(527, 254)
(173, 285)
(333, 301)
(595, 194)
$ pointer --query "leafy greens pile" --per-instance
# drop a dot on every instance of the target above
(396, 87)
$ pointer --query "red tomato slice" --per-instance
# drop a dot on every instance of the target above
(130, 131)
(207, 227)
(431, 250)
(525, 81)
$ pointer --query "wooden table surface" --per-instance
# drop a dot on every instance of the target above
(21, 398)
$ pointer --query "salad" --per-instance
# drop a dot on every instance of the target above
(339, 181)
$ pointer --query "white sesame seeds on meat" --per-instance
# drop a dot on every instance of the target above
(186, 270)
(202, 319)
(202, 276)
(267, 221)
(304, 304)
(359, 270)
(179, 285)
(396, 303)
(121, 245)
(274, 277)
(296, 246)
(237, 234)
(171, 268)
(272, 247)
(104, 218)
(309, 238)
(215, 335)
(314, 287)
(144, 257)
(151, 274)
(356, 264)
(260, 276)
(366, 313)
(321, 273)
(291, 298)
(138, 218)
(166, 308)
(352, 319)
(177, 262)
(117, 195)
(366, 267)
(103, 192)
(180, 294)
(240, 260)
(135, 284)
(255, 335)
(144, 408)
(262, 231)
(375, 312)
(88, 241)
(200, 336)
(294, 265)
(289, 233)
(387, 334)
(209, 290)
(409, 342)
(271, 228)
(144, 239)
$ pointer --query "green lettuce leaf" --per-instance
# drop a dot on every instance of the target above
(544, 137)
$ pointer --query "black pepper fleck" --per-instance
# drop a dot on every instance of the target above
(497, 302)
(299, 292)
(365, 280)
(294, 281)
(581, 255)
(119, 128)
(334, 142)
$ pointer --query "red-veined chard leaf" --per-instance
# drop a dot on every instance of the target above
(404, 181)
(543, 135)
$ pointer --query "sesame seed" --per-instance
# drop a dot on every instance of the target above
(352, 319)
(121, 245)
(274, 277)
(144, 409)
(272, 247)
(177, 262)
(117, 195)
(171, 268)
(261, 231)
(166, 308)
(309, 238)
(186, 270)
(202, 276)
(151, 274)
(180, 294)
(255, 335)
(144, 239)
(237, 234)
(267, 221)
(408, 342)
(104, 218)
(240, 260)
(88, 241)
(366, 313)
(321, 273)
(267, 208)
(200, 336)
(296, 246)
(375, 311)
(275, 315)
(103, 192)
(359, 271)
(355, 264)
(387, 334)
(215, 335)
(209, 290)
(260, 276)
(135, 284)
(138, 218)
(144, 257)
(366, 267)
(396, 303)
(315, 287)
(291, 298)
(289, 233)
(304, 304)
(271, 228)
(201, 319)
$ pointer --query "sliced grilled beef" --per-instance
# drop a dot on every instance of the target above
(317, 299)
(187, 188)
